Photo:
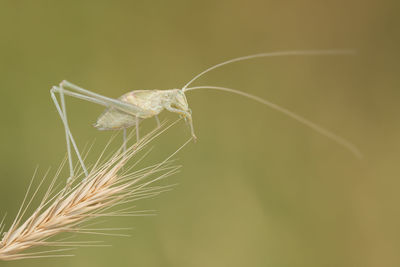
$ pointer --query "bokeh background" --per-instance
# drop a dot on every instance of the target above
(257, 189)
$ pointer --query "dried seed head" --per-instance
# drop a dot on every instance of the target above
(108, 185)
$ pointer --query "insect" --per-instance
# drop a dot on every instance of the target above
(132, 107)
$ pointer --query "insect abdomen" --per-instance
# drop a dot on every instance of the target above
(113, 119)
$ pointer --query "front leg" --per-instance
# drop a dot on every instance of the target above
(186, 115)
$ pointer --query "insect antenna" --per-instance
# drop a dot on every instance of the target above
(271, 54)
(334, 137)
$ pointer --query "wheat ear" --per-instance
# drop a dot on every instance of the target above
(65, 211)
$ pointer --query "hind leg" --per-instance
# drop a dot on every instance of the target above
(68, 135)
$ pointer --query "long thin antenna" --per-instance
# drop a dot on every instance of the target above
(340, 140)
(272, 54)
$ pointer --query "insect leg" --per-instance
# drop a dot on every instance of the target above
(124, 139)
(158, 121)
(137, 129)
(67, 139)
(99, 99)
(86, 95)
(186, 115)
(80, 96)
(68, 133)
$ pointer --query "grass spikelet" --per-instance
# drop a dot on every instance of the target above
(69, 209)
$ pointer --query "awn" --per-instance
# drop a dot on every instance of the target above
(137, 105)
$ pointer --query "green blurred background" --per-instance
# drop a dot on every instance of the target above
(257, 189)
